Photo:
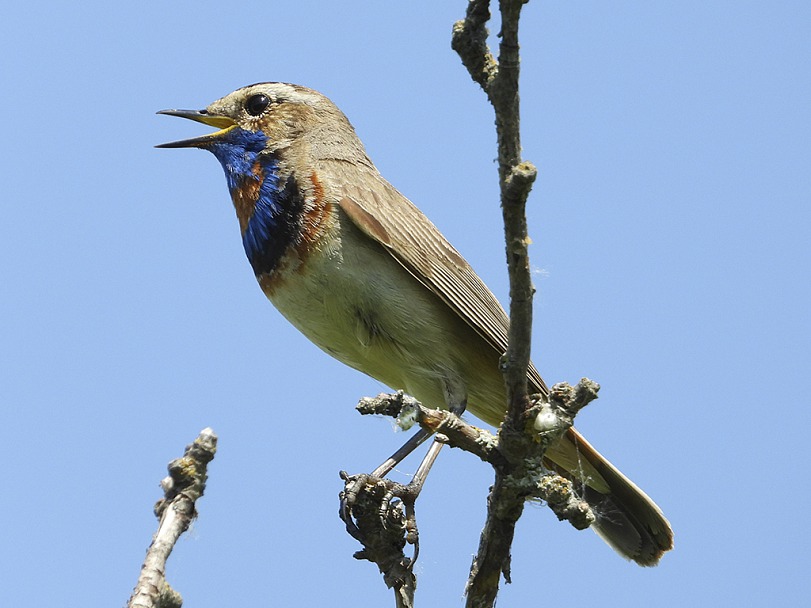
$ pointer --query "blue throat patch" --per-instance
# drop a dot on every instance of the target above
(276, 218)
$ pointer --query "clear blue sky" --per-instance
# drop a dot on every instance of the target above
(671, 231)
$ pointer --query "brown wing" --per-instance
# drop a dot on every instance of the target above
(385, 215)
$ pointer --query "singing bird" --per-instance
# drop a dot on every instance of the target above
(361, 272)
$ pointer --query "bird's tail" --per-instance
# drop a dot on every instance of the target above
(627, 519)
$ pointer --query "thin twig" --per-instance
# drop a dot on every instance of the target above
(175, 512)
(447, 426)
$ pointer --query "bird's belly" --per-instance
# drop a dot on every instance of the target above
(356, 302)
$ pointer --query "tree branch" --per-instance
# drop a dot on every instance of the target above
(175, 512)
(528, 479)
(507, 496)
(469, 40)
(447, 426)
(531, 424)
(500, 82)
(520, 476)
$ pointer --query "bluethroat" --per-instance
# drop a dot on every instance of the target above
(361, 272)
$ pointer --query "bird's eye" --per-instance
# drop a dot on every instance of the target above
(256, 104)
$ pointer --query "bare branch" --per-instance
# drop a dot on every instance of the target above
(449, 427)
(469, 40)
(384, 526)
(518, 458)
(383, 511)
(515, 441)
(526, 477)
(175, 512)
(500, 82)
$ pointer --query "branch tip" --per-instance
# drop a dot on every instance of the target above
(175, 511)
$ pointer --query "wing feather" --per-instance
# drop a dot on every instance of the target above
(388, 217)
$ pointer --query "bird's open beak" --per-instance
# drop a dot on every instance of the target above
(224, 123)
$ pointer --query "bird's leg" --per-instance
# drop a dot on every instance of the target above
(355, 484)
(415, 441)
(390, 490)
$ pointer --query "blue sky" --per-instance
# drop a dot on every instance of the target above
(670, 223)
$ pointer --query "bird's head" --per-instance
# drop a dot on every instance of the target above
(272, 117)
(270, 140)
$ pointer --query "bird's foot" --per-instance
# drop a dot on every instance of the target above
(380, 514)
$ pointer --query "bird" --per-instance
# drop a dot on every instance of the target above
(364, 274)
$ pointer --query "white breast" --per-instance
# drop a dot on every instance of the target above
(357, 303)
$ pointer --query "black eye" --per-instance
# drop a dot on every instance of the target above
(256, 104)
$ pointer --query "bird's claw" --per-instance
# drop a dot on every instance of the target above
(377, 509)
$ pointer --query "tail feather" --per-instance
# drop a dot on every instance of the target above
(627, 519)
